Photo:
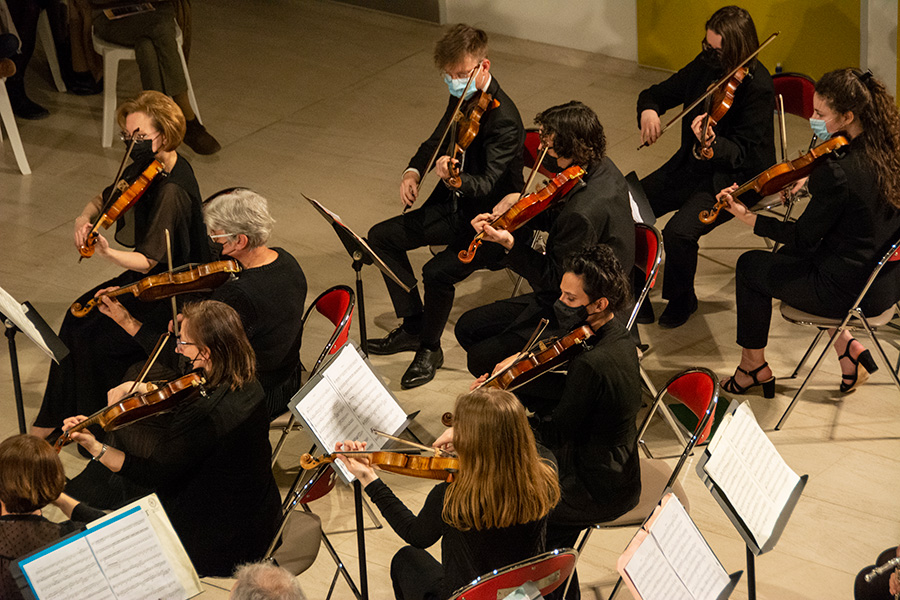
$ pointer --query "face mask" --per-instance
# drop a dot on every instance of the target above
(818, 127)
(569, 317)
(713, 58)
(456, 86)
(142, 151)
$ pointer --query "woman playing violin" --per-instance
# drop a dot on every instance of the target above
(99, 351)
(830, 251)
(493, 514)
(742, 143)
(211, 465)
(596, 211)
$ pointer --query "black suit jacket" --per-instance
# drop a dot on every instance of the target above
(492, 164)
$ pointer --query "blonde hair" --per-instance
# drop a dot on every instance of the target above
(501, 481)
(163, 112)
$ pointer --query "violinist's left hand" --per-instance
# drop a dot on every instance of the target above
(113, 309)
(84, 437)
(102, 246)
(736, 207)
(478, 382)
(358, 465)
(499, 236)
(504, 205)
(697, 128)
(442, 166)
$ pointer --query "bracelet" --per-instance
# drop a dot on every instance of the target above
(102, 452)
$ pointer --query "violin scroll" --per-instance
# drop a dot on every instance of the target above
(709, 216)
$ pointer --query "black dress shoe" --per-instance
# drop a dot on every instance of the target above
(422, 369)
(645, 315)
(399, 340)
(678, 311)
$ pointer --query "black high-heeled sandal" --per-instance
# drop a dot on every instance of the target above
(768, 386)
(849, 382)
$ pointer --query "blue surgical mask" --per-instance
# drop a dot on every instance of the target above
(818, 127)
(456, 86)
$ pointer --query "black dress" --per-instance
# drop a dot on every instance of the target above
(99, 350)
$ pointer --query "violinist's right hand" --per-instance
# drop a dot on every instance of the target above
(122, 390)
(82, 229)
(358, 465)
(409, 188)
(445, 441)
(794, 189)
(651, 128)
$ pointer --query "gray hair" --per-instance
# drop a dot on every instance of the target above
(265, 581)
(240, 211)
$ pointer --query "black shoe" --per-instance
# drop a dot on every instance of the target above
(645, 315)
(422, 369)
(399, 340)
(24, 108)
(83, 84)
(678, 311)
(199, 140)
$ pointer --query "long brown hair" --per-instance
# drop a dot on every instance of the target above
(739, 38)
(501, 481)
(31, 474)
(577, 132)
(216, 327)
(846, 90)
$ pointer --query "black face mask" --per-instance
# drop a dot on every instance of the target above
(569, 317)
(713, 58)
(142, 151)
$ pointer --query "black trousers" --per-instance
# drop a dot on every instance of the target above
(416, 575)
(878, 588)
(688, 194)
(438, 222)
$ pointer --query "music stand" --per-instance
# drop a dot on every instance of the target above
(362, 254)
(24, 318)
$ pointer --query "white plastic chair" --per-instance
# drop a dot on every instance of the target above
(9, 122)
(112, 54)
(45, 35)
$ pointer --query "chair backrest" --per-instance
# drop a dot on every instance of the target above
(319, 485)
(547, 571)
(797, 91)
(892, 255)
(335, 304)
(531, 151)
(648, 251)
(698, 389)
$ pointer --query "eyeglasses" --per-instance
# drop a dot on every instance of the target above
(138, 137)
(219, 235)
(709, 47)
(182, 343)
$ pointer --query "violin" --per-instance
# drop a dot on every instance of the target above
(129, 196)
(528, 207)
(201, 278)
(426, 467)
(140, 406)
(780, 176)
(550, 355)
(717, 105)
(468, 129)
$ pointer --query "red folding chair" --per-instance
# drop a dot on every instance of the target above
(546, 571)
(797, 90)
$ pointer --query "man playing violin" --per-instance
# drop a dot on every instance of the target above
(596, 211)
(490, 169)
(742, 143)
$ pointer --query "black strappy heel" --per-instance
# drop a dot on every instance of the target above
(849, 382)
(768, 386)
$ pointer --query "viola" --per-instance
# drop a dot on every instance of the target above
(550, 355)
(140, 406)
(426, 467)
(468, 130)
(129, 196)
(201, 278)
(718, 104)
(780, 176)
(528, 207)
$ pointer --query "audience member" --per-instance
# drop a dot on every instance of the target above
(265, 581)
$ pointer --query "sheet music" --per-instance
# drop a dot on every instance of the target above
(16, 313)
(746, 466)
(68, 572)
(674, 561)
(330, 213)
(347, 403)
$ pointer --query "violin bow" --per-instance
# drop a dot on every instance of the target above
(714, 87)
(157, 350)
(436, 451)
(453, 119)
(171, 270)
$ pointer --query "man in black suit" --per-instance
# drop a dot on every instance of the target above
(490, 169)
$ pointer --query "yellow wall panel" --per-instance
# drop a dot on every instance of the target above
(816, 35)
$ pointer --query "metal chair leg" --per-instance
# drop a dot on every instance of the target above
(808, 352)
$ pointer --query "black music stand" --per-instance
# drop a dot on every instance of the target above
(23, 317)
(362, 254)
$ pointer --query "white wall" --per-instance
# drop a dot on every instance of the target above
(878, 40)
(605, 26)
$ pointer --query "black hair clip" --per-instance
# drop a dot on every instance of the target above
(864, 77)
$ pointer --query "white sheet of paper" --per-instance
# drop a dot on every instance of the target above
(653, 576)
(746, 466)
(16, 312)
(68, 572)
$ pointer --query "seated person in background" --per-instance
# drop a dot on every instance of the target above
(265, 581)
(211, 467)
(269, 293)
(597, 211)
(494, 512)
(31, 477)
(152, 35)
(885, 586)
(830, 250)
(586, 416)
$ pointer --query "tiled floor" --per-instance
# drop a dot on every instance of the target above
(331, 101)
